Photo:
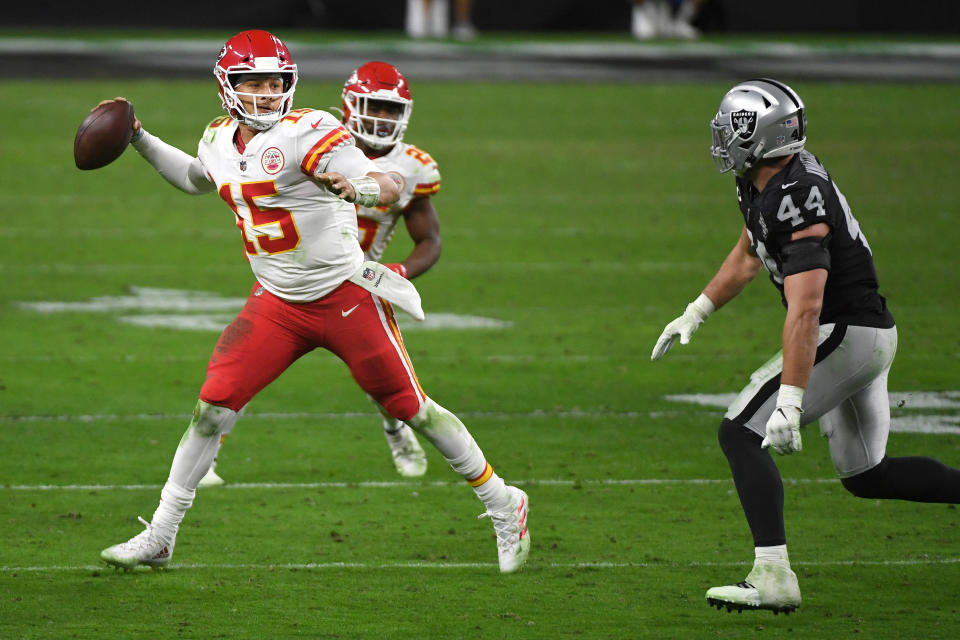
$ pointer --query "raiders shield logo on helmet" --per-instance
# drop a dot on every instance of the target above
(744, 123)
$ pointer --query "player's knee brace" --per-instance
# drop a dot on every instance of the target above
(210, 420)
(870, 484)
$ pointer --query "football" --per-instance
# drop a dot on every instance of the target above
(103, 135)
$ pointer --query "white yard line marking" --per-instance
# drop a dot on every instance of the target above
(180, 309)
(405, 484)
(922, 424)
(350, 415)
(374, 566)
(898, 399)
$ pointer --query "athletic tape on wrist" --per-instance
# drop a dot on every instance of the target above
(366, 190)
(790, 396)
(702, 307)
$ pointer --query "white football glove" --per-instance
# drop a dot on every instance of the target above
(684, 326)
(783, 427)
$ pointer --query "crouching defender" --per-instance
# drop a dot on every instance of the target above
(292, 179)
(839, 339)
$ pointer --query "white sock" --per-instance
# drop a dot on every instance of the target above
(777, 553)
(445, 431)
(491, 490)
(174, 502)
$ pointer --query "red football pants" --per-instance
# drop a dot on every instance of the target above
(270, 334)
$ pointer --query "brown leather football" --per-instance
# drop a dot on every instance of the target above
(103, 135)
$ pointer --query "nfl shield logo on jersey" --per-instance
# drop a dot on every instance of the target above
(744, 123)
(369, 274)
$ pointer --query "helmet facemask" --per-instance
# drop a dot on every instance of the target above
(728, 153)
(255, 53)
(257, 119)
(376, 132)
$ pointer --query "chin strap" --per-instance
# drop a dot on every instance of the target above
(754, 156)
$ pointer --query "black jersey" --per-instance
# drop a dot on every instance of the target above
(800, 196)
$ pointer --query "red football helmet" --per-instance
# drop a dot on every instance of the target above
(378, 81)
(254, 52)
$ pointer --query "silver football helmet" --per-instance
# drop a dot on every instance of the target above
(757, 119)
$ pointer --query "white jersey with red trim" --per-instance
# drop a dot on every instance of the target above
(421, 177)
(300, 239)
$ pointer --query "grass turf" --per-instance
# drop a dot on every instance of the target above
(587, 216)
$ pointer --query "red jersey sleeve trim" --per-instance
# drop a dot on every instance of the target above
(426, 188)
(326, 144)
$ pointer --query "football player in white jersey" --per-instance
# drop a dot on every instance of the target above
(291, 179)
(839, 338)
(377, 104)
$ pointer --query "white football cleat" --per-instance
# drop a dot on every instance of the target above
(513, 537)
(211, 479)
(144, 548)
(408, 456)
(770, 585)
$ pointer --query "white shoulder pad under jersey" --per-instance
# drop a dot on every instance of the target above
(300, 239)
(421, 178)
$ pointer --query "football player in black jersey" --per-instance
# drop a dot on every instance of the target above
(839, 339)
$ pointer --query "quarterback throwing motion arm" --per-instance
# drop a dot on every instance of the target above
(186, 172)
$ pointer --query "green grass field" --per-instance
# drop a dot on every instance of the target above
(586, 217)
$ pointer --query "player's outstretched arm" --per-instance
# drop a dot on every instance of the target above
(683, 327)
(373, 189)
(180, 169)
(739, 268)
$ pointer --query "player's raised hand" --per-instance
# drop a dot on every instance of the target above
(683, 327)
(338, 185)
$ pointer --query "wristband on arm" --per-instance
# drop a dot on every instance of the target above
(702, 307)
(366, 191)
(790, 396)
